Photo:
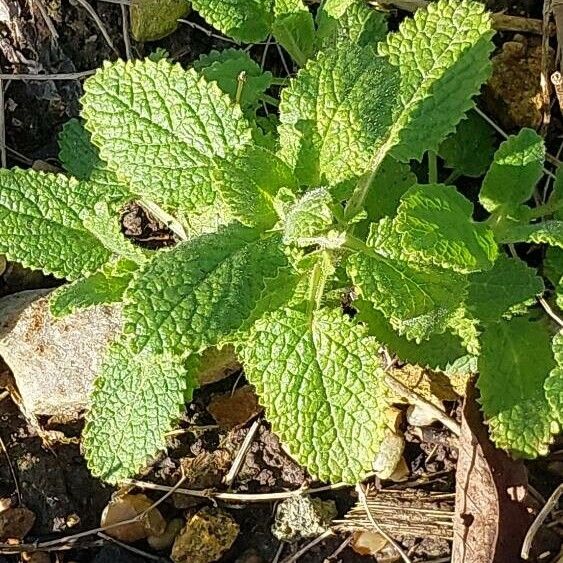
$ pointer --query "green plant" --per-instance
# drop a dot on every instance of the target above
(277, 223)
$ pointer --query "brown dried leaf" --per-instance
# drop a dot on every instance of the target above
(230, 410)
(490, 523)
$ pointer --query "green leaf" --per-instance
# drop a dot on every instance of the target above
(80, 158)
(436, 51)
(515, 361)
(161, 128)
(510, 282)
(248, 21)
(135, 401)
(320, 380)
(517, 168)
(554, 383)
(546, 232)
(105, 286)
(418, 302)
(249, 180)
(308, 218)
(40, 224)
(441, 352)
(354, 21)
(294, 29)
(435, 227)
(225, 68)
(195, 295)
(107, 228)
(333, 113)
(469, 151)
(553, 264)
(389, 185)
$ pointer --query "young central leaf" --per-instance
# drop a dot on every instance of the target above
(161, 128)
(320, 380)
(191, 297)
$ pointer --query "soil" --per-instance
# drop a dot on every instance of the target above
(51, 477)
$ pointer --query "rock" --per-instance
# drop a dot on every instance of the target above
(206, 537)
(15, 523)
(368, 543)
(36, 557)
(232, 409)
(155, 19)
(54, 361)
(303, 517)
(127, 507)
(165, 540)
(389, 455)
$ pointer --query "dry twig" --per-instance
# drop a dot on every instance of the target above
(297, 555)
(125, 28)
(549, 506)
(12, 470)
(94, 15)
(235, 497)
(417, 399)
(363, 499)
(241, 454)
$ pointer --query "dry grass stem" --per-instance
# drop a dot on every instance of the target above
(94, 15)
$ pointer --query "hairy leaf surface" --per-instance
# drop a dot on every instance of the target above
(333, 113)
(225, 68)
(354, 21)
(435, 227)
(161, 128)
(554, 383)
(442, 54)
(547, 232)
(515, 361)
(417, 301)
(136, 399)
(105, 286)
(195, 295)
(249, 180)
(510, 282)
(294, 29)
(320, 380)
(245, 20)
(40, 224)
(441, 352)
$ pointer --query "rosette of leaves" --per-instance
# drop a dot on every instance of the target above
(274, 227)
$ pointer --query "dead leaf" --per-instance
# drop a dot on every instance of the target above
(15, 523)
(231, 409)
(489, 525)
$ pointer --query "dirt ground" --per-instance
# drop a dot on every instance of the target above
(50, 477)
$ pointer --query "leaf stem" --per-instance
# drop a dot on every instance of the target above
(553, 205)
(278, 81)
(356, 202)
(432, 167)
(317, 284)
